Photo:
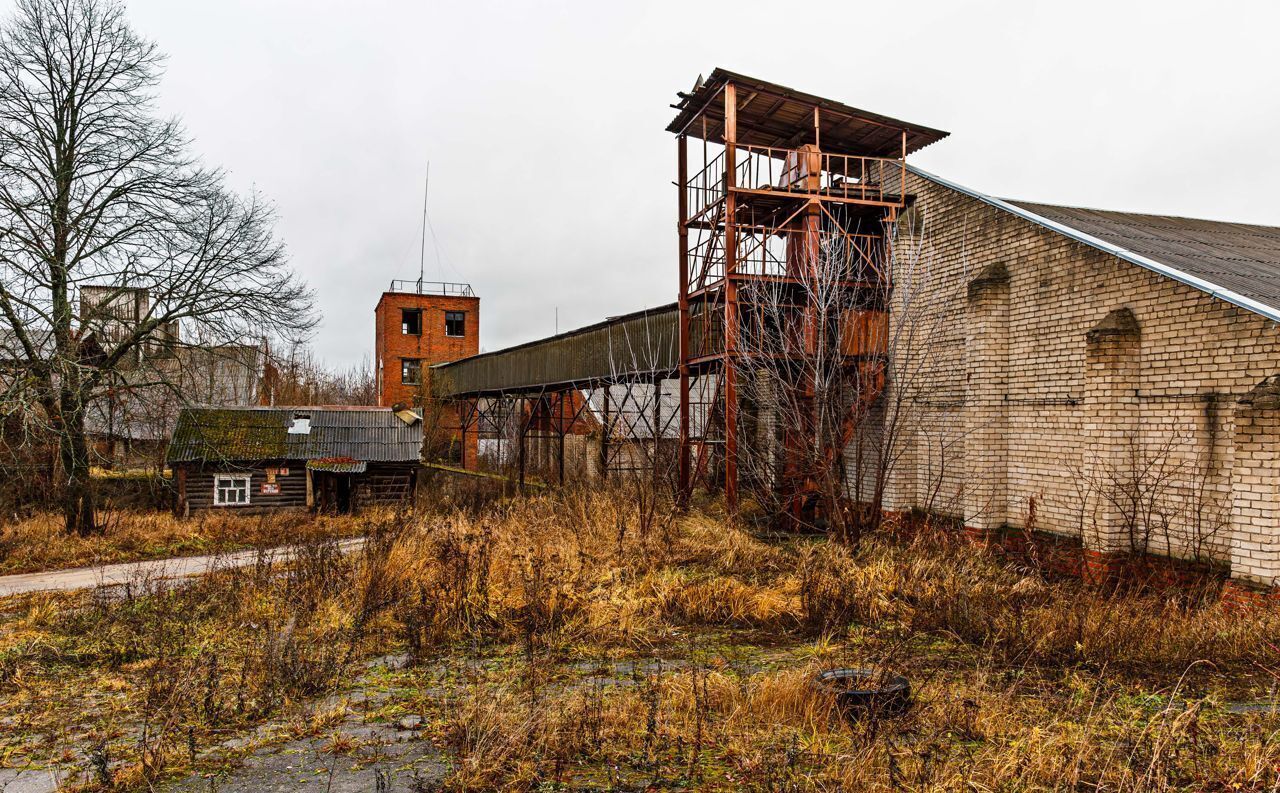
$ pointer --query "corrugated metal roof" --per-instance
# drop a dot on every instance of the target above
(260, 433)
(1242, 258)
(644, 342)
(770, 114)
(1235, 262)
(338, 466)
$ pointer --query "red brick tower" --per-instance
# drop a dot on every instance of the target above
(419, 323)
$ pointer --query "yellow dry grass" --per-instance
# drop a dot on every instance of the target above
(560, 642)
(40, 543)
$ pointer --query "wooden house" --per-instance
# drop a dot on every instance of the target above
(262, 459)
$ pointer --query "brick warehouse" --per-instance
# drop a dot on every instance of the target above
(1083, 350)
(1099, 376)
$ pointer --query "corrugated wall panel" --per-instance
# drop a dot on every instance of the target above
(640, 343)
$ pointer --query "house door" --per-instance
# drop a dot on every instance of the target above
(342, 494)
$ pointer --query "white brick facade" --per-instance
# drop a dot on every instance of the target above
(1126, 437)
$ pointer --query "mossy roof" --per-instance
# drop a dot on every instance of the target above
(364, 434)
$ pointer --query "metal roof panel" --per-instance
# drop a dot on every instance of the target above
(261, 433)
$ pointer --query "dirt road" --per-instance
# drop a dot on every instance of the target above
(117, 574)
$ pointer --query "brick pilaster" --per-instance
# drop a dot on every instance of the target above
(986, 419)
(1255, 487)
(1113, 350)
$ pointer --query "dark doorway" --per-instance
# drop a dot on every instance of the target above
(335, 493)
(342, 494)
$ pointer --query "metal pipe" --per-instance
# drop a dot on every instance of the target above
(682, 168)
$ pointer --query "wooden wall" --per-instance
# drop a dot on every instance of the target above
(198, 486)
(382, 483)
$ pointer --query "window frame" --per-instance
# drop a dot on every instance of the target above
(404, 324)
(218, 490)
(404, 364)
(455, 316)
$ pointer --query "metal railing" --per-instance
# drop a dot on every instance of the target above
(444, 288)
(705, 188)
(771, 252)
(847, 176)
(806, 171)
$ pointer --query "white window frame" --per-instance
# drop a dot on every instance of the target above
(246, 479)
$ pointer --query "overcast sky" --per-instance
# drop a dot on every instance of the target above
(544, 124)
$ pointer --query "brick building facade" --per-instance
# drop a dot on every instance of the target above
(1062, 381)
(416, 325)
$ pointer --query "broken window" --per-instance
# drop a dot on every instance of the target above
(410, 371)
(455, 323)
(411, 321)
(230, 489)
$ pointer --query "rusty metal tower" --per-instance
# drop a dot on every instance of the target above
(776, 175)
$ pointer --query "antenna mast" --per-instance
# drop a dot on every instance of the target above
(422, 251)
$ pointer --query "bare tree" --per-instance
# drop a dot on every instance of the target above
(96, 189)
(297, 377)
(835, 359)
(638, 409)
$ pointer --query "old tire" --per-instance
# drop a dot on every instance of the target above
(863, 693)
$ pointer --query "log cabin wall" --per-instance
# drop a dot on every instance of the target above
(383, 484)
(196, 491)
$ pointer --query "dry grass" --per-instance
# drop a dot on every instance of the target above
(39, 542)
(557, 641)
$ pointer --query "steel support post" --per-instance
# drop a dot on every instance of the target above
(560, 432)
(730, 299)
(684, 483)
(524, 428)
(605, 431)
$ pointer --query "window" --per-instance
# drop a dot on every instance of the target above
(455, 323)
(230, 489)
(411, 321)
(410, 371)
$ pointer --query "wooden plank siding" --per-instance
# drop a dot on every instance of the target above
(199, 480)
(381, 484)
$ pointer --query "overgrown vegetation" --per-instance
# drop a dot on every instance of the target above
(38, 542)
(560, 642)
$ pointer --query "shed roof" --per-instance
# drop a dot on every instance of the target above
(773, 115)
(365, 434)
(338, 466)
(640, 343)
(1235, 262)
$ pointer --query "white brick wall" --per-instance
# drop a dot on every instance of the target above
(1195, 358)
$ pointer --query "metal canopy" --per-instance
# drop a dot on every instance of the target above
(338, 466)
(640, 344)
(770, 115)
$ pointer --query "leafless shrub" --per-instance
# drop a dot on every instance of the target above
(1161, 500)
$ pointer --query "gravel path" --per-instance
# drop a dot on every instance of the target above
(117, 574)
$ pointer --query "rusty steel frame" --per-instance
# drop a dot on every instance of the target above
(550, 412)
(723, 213)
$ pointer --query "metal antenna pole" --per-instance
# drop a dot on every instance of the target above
(422, 251)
